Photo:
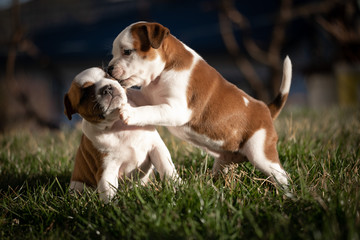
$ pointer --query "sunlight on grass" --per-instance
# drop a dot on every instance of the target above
(320, 150)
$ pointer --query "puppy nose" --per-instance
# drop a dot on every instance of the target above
(107, 90)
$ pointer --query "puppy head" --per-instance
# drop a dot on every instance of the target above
(94, 96)
(137, 54)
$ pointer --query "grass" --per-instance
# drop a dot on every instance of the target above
(321, 151)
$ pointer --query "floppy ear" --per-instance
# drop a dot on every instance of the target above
(69, 110)
(151, 35)
(156, 34)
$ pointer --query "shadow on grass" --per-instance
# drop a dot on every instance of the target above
(11, 181)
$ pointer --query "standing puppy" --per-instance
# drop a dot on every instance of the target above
(109, 149)
(181, 91)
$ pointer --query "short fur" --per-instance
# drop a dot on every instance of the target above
(109, 149)
(181, 91)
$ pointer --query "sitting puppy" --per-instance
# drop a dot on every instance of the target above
(109, 149)
(181, 91)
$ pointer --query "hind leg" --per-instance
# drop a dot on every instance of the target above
(260, 149)
(220, 166)
(222, 162)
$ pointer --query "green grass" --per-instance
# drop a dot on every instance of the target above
(321, 151)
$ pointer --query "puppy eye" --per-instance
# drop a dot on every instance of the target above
(127, 52)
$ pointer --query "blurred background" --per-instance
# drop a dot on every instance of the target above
(44, 44)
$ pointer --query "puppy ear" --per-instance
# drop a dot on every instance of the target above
(151, 35)
(156, 34)
(69, 110)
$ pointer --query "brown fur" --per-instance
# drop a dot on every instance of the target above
(175, 55)
(70, 98)
(277, 104)
(151, 38)
(88, 110)
(88, 166)
(219, 111)
(147, 38)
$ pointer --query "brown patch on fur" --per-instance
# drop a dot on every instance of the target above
(219, 111)
(88, 163)
(147, 38)
(71, 100)
(175, 55)
(277, 104)
(82, 100)
(151, 39)
(212, 100)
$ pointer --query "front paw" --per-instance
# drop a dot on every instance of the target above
(108, 195)
(125, 113)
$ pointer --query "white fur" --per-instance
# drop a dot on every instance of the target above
(165, 91)
(163, 99)
(286, 81)
(140, 73)
(254, 151)
(246, 101)
(129, 150)
(167, 99)
(92, 75)
(211, 146)
(168, 102)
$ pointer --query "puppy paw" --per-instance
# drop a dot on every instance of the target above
(179, 181)
(107, 196)
(125, 113)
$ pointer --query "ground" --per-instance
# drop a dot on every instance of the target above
(320, 150)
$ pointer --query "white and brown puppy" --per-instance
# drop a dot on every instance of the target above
(181, 91)
(109, 149)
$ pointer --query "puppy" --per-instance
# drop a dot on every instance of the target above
(109, 149)
(181, 91)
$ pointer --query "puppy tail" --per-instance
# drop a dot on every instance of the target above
(278, 103)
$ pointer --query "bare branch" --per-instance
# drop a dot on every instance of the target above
(278, 34)
(243, 64)
(339, 31)
(314, 8)
(242, 22)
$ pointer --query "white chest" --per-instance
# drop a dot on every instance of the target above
(125, 148)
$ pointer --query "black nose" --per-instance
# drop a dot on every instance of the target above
(106, 90)
(110, 69)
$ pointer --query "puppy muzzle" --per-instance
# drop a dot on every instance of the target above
(116, 73)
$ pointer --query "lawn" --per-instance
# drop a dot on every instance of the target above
(320, 150)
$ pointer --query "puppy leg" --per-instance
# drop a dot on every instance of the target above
(137, 97)
(108, 183)
(161, 159)
(264, 156)
(76, 186)
(174, 114)
(222, 162)
(145, 179)
(219, 166)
